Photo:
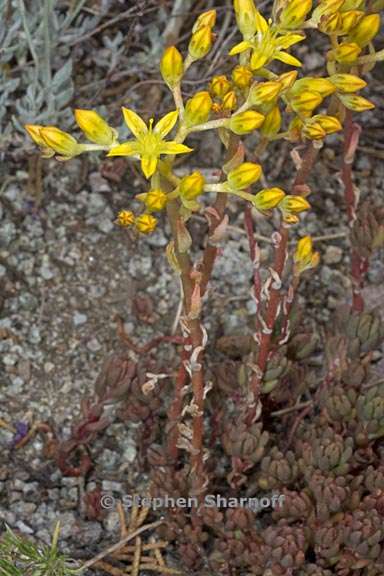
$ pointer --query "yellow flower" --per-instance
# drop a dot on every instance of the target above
(201, 43)
(172, 67)
(272, 123)
(220, 86)
(34, 132)
(366, 30)
(355, 102)
(146, 223)
(198, 108)
(62, 143)
(95, 127)
(304, 257)
(242, 76)
(149, 142)
(245, 122)
(192, 186)
(294, 13)
(268, 198)
(292, 205)
(347, 83)
(246, 17)
(244, 176)
(229, 101)
(154, 200)
(205, 19)
(125, 218)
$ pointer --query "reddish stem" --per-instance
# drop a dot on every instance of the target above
(254, 253)
(175, 410)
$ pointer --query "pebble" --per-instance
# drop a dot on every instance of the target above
(333, 255)
(111, 486)
(79, 318)
(94, 345)
(3, 271)
(111, 522)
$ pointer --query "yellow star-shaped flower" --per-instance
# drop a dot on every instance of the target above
(149, 141)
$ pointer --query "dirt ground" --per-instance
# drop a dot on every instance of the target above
(67, 270)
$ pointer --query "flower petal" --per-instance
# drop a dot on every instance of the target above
(136, 124)
(287, 59)
(174, 148)
(165, 125)
(148, 165)
(126, 149)
(241, 47)
(289, 40)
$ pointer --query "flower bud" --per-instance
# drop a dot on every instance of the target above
(321, 85)
(350, 19)
(198, 108)
(294, 13)
(229, 101)
(34, 132)
(242, 76)
(326, 7)
(192, 186)
(313, 130)
(345, 53)
(355, 102)
(272, 123)
(125, 218)
(366, 30)
(263, 93)
(268, 199)
(172, 67)
(347, 83)
(329, 124)
(331, 23)
(304, 257)
(245, 122)
(220, 86)
(205, 19)
(305, 102)
(201, 43)
(146, 223)
(292, 205)
(61, 142)
(244, 176)
(154, 200)
(287, 79)
(95, 127)
(246, 17)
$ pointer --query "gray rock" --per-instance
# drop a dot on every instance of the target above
(94, 345)
(333, 255)
(79, 318)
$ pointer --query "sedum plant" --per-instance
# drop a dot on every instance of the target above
(267, 98)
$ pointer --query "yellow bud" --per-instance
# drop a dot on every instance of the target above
(155, 200)
(322, 86)
(268, 198)
(242, 76)
(220, 86)
(347, 83)
(192, 186)
(205, 19)
(325, 8)
(331, 23)
(294, 13)
(244, 176)
(304, 257)
(172, 67)
(201, 43)
(329, 124)
(355, 102)
(245, 122)
(350, 19)
(272, 123)
(34, 132)
(264, 93)
(366, 30)
(146, 223)
(305, 102)
(313, 130)
(287, 79)
(346, 53)
(246, 17)
(198, 108)
(292, 205)
(125, 218)
(61, 142)
(229, 101)
(95, 127)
